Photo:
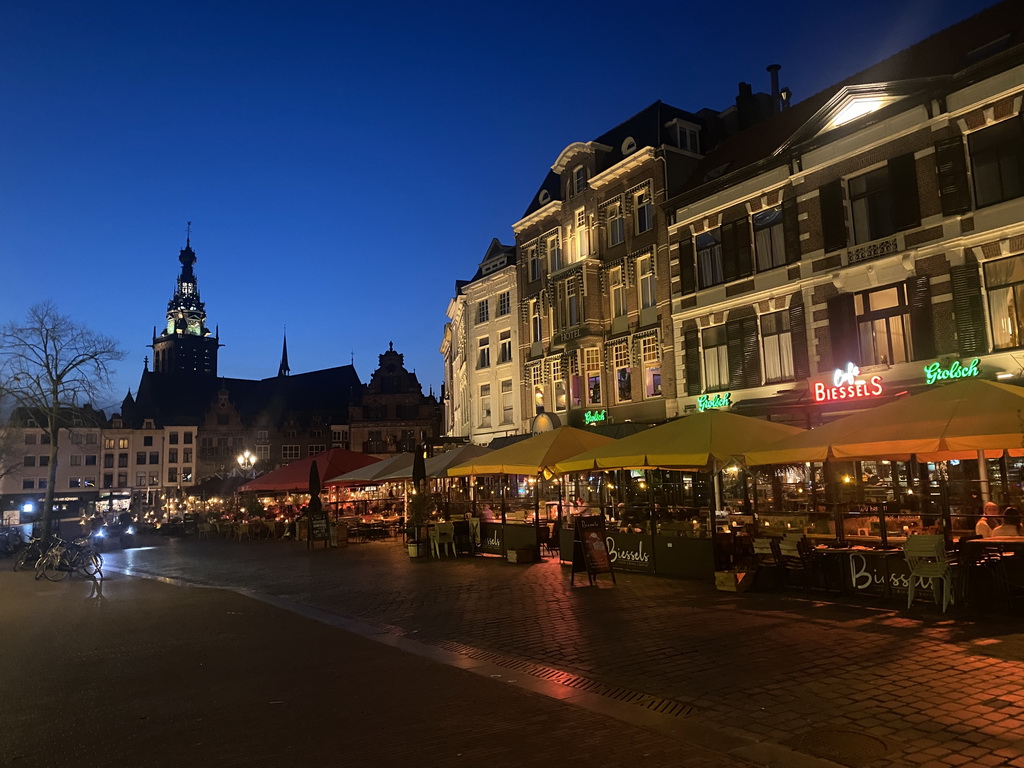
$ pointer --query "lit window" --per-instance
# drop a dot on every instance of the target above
(615, 226)
(506, 401)
(883, 323)
(716, 357)
(581, 235)
(623, 376)
(778, 347)
(1005, 282)
(645, 272)
(592, 366)
(709, 258)
(485, 405)
(558, 384)
(769, 239)
(554, 248)
(651, 358)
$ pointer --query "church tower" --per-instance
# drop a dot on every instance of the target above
(186, 345)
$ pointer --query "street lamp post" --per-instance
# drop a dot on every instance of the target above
(246, 461)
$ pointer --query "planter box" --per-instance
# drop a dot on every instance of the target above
(522, 556)
(418, 548)
(734, 581)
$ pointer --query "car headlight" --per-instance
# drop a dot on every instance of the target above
(130, 531)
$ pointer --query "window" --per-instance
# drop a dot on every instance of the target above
(883, 324)
(485, 405)
(870, 201)
(76, 460)
(186, 474)
(592, 365)
(186, 455)
(313, 450)
(90, 460)
(44, 439)
(505, 347)
(536, 326)
(30, 461)
(778, 347)
(537, 382)
(30, 439)
(579, 179)
(173, 438)
(41, 483)
(769, 239)
(650, 356)
(172, 456)
(188, 438)
(716, 358)
(28, 484)
(997, 155)
(615, 225)
(147, 440)
(645, 272)
(709, 258)
(338, 436)
(1004, 280)
(108, 443)
(122, 460)
(504, 304)
(108, 461)
(483, 359)
(482, 311)
(554, 247)
(172, 474)
(44, 461)
(644, 210)
(558, 384)
(76, 438)
(262, 435)
(154, 457)
(108, 479)
(154, 478)
(569, 304)
(506, 401)
(74, 482)
(122, 443)
(618, 292)
(263, 452)
(533, 262)
(289, 452)
(581, 235)
(623, 377)
(122, 479)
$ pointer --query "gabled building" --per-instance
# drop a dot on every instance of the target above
(481, 350)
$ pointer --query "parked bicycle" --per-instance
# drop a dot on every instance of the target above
(30, 554)
(10, 541)
(63, 558)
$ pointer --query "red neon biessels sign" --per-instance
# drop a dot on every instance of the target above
(846, 385)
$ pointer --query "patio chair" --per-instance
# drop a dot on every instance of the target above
(205, 529)
(443, 536)
(799, 561)
(927, 559)
(768, 557)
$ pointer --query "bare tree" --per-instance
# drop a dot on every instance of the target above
(52, 367)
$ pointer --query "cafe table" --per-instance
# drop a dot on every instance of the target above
(991, 557)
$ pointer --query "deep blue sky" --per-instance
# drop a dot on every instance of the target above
(343, 164)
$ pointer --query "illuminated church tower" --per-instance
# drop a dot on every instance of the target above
(186, 345)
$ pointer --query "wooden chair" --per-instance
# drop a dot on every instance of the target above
(768, 558)
(800, 562)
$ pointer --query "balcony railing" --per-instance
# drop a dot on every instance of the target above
(874, 250)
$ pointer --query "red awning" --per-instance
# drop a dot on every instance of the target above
(295, 476)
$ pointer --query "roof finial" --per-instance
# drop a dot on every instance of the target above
(188, 235)
(284, 370)
(352, 357)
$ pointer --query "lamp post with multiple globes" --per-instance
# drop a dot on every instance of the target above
(246, 461)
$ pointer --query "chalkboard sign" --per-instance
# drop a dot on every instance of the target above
(190, 524)
(319, 530)
(590, 548)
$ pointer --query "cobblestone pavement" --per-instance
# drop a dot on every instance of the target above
(132, 672)
(866, 685)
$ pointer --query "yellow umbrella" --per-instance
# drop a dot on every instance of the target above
(691, 442)
(532, 455)
(952, 421)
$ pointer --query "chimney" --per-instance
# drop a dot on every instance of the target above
(773, 69)
(746, 114)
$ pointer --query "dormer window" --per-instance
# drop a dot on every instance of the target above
(628, 145)
(544, 197)
(579, 179)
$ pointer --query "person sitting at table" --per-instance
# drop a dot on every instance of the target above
(989, 520)
(1010, 525)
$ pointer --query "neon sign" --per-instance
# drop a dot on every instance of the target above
(846, 385)
(593, 417)
(934, 372)
(704, 402)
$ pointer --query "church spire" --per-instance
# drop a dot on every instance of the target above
(284, 370)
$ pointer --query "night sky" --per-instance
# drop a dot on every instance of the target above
(343, 164)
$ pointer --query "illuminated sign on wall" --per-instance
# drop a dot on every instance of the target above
(593, 417)
(847, 385)
(934, 372)
(704, 402)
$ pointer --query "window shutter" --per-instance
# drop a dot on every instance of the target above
(922, 333)
(791, 230)
(734, 340)
(951, 167)
(798, 338)
(842, 324)
(906, 206)
(751, 353)
(729, 255)
(833, 215)
(743, 250)
(687, 271)
(691, 352)
(969, 309)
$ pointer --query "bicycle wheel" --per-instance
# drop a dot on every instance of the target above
(56, 567)
(91, 564)
(23, 557)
